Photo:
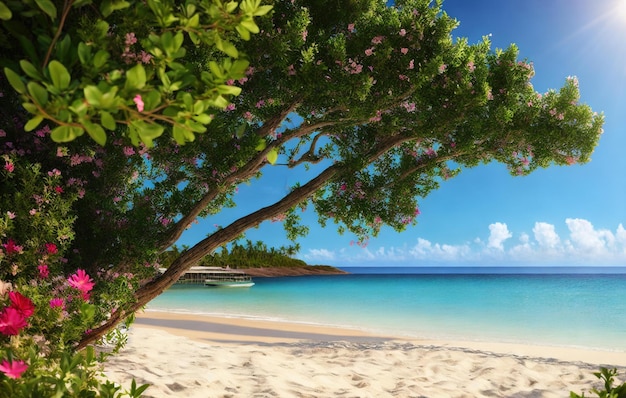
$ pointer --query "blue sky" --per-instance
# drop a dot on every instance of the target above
(557, 216)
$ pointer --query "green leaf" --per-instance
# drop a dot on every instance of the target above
(59, 75)
(38, 92)
(243, 32)
(272, 156)
(151, 100)
(65, 133)
(250, 25)
(30, 107)
(216, 70)
(147, 132)
(84, 53)
(5, 12)
(100, 58)
(30, 70)
(33, 123)
(181, 134)
(15, 80)
(48, 7)
(107, 120)
(261, 145)
(108, 6)
(135, 78)
(231, 90)
(93, 95)
(96, 132)
(202, 118)
(262, 11)
(226, 47)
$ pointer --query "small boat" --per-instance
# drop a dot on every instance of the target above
(226, 277)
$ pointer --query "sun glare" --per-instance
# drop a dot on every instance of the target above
(620, 10)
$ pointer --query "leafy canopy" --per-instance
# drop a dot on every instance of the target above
(378, 103)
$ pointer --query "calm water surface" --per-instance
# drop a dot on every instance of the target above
(581, 310)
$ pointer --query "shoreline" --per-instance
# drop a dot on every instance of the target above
(189, 355)
(236, 330)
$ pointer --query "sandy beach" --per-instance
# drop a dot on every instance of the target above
(184, 355)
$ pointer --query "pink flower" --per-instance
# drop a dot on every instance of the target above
(145, 57)
(12, 321)
(412, 64)
(81, 281)
(11, 215)
(404, 50)
(13, 369)
(129, 151)
(51, 248)
(22, 304)
(56, 302)
(8, 166)
(402, 32)
(139, 102)
(291, 71)
(471, 66)
(369, 51)
(43, 270)
(130, 39)
(443, 68)
(378, 39)
(10, 247)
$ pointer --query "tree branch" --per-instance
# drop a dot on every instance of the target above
(189, 258)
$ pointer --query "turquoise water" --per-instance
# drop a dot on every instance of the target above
(575, 310)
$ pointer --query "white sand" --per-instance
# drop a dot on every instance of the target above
(192, 356)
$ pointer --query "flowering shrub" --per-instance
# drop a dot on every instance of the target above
(43, 313)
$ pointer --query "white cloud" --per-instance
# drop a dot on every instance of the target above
(315, 255)
(499, 232)
(585, 245)
(546, 236)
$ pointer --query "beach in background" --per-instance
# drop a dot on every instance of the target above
(200, 356)
(381, 335)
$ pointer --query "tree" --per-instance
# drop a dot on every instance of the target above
(379, 104)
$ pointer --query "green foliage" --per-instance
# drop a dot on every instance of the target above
(36, 230)
(378, 104)
(255, 255)
(101, 75)
(609, 391)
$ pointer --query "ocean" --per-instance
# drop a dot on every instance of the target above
(561, 306)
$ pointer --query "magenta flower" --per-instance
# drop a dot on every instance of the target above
(21, 303)
(51, 248)
(8, 166)
(13, 369)
(57, 302)
(43, 270)
(10, 247)
(81, 281)
(139, 102)
(12, 321)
